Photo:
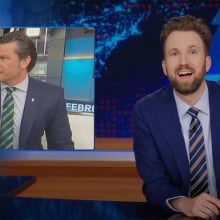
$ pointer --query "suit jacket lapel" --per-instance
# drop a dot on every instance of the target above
(171, 128)
(30, 111)
(214, 102)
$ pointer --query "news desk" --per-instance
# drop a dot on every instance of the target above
(95, 184)
(108, 175)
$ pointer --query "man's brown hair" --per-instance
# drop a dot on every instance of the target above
(187, 23)
(25, 46)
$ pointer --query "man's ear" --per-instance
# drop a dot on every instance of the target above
(208, 62)
(164, 67)
(25, 62)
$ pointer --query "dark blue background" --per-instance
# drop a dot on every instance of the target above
(127, 49)
(127, 67)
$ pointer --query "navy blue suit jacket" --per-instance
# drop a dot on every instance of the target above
(44, 111)
(159, 147)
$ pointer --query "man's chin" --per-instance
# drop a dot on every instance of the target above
(187, 90)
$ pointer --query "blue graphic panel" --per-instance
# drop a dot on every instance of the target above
(78, 65)
(78, 79)
(80, 47)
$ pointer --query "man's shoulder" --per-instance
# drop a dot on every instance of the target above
(44, 85)
(157, 95)
(213, 84)
(214, 88)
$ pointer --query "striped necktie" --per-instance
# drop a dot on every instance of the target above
(7, 121)
(198, 168)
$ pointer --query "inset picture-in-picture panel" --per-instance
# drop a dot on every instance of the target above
(66, 58)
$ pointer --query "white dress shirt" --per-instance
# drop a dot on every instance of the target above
(204, 117)
(19, 96)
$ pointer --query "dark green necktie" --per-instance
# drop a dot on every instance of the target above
(7, 121)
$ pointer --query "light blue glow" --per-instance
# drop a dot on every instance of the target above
(213, 77)
(214, 72)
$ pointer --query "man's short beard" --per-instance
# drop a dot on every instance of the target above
(193, 86)
(187, 89)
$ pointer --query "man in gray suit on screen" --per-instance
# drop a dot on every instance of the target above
(37, 107)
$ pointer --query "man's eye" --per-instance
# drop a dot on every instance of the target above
(194, 52)
(173, 54)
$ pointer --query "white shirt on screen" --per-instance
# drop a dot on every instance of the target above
(19, 96)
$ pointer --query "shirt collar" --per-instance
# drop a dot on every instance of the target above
(23, 86)
(202, 104)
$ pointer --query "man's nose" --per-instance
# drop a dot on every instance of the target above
(183, 59)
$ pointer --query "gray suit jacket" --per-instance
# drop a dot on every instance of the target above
(45, 111)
